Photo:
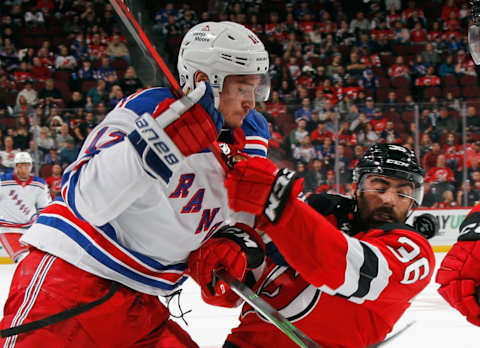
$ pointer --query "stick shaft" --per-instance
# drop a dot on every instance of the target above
(142, 40)
(266, 310)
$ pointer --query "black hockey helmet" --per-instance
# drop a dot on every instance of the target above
(393, 161)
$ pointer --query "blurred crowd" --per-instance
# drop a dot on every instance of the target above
(344, 75)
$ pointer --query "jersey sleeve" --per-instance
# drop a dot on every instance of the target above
(107, 175)
(255, 128)
(44, 197)
(359, 268)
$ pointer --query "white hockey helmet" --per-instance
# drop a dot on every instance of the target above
(23, 157)
(219, 49)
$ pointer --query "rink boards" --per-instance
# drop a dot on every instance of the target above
(448, 219)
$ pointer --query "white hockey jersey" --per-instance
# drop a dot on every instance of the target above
(21, 200)
(118, 222)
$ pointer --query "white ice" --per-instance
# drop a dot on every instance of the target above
(435, 323)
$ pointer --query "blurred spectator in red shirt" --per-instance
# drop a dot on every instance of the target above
(320, 133)
(448, 8)
(330, 185)
(441, 176)
(430, 159)
(452, 151)
(39, 71)
(411, 10)
(418, 34)
(399, 69)
(55, 180)
(276, 107)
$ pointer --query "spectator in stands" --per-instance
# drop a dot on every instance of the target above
(276, 107)
(64, 60)
(63, 136)
(22, 73)
(389, 134)
(105, 70)
(369, 108)
(96, 48)
(473, 166)
(44, 141)
(117, 49)
(464, 65)
(473, 119)
(39, 71)
(20, 133)
(30, 95)
(359, 23)
(448, 200)
(52, 157)
(98, 93)
(55, 180)
(430, 56)
(115, 95)
(453, 103)
(343, 35)
(326, 151)
(304, 152)
(84, 128)
(130, 83)
(467, 196)
(401, 35)
(429, 160)
(384, 45)
(298, 133)
(22, 107)
(54, 124)
(451, 150)
(355, 67)
(369, 81)
(320, 133)
(418, 34)
(419, 67)
(429, 198)
(49, 95)
(445, 123)
(330, 185)
(8, 153)
(314, 177)
(86, 71)
(441, 177)
(68, 154)
(399, 69)
(79, 47)
(305, 111)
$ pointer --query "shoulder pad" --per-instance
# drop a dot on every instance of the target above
(326, 203)
(147, 100)
(396, 226)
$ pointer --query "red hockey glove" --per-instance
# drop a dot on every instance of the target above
(459, 279)
(235, 249)
(197, 121)
(257, 186)
(177, 128)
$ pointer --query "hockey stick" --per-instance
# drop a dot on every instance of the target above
(147, 47)
(267, 310)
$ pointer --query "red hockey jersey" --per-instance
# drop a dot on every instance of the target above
(341, 291)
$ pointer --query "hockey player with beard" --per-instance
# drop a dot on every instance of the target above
(143, 194)
(353, 264)
(459, 272)
(22, 197)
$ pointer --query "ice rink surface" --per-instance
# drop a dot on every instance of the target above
(435, 323)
